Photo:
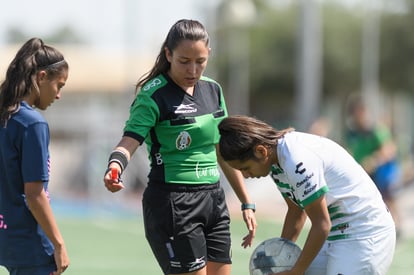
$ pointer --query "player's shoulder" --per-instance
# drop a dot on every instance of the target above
(27, 116)
(205, 80)
(153, 85)
(298, 138)
(295, 145)
(291, 139)
(208, 79)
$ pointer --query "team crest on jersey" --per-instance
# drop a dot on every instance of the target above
(183, 140)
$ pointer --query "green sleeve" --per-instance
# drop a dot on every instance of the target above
(143, 115)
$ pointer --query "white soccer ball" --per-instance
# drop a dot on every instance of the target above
(273, 255)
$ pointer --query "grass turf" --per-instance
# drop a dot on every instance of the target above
(108, 246)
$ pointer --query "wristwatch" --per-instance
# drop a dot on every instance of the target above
(251, 206)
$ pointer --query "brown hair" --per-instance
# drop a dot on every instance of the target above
(183, 29)
(32, 57)
(239, 135)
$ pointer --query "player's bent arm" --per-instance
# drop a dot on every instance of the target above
(294, 221)
(235, 179)
(318, 214)
(39, 206)
(385, 153)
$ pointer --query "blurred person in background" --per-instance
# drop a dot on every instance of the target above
(321, 126)
(30, 240)
(351, 232)
(176, 113)
(372, 145)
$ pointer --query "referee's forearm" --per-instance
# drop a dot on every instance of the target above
(236, 181)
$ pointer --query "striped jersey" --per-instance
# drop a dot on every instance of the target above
(311, 166)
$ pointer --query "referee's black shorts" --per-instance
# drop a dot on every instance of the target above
(186, 226)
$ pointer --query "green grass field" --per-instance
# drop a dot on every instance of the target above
(117, 246)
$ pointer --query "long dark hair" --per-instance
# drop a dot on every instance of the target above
(239, 135)
(32, 57)
(183, 29)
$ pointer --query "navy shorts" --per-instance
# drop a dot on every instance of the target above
(186, 226)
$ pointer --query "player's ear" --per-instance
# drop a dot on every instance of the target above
(261, 152)
(41, 75)
(168, 54)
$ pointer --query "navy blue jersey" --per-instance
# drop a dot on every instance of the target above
(24, 157)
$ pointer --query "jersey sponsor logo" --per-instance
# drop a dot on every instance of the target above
(206, 172)
(309, 189)
(153, 83)
(300, 170)
(185, 109)
(343, 227)
(3, 225)
(305, 180)
(183, 141)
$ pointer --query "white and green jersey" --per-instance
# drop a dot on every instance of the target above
(312, 166)
(180, 130)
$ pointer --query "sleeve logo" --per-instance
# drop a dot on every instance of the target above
(153, 83)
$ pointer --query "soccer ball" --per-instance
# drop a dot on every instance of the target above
(273, 255)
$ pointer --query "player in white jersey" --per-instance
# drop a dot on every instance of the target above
(352, 231)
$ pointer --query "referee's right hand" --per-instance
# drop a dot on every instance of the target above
(113, 185)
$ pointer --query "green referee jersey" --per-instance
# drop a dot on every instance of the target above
(180, 130)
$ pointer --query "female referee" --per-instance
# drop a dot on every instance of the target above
(176, 113)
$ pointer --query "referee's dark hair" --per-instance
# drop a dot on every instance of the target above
(184, 29)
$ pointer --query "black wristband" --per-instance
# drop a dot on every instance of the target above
(251, 206)
(119, 157)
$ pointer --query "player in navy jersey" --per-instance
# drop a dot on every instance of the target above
(352, 231)
(30, 240)
(176, 113)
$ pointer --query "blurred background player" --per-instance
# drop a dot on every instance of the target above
(30, 240)
(372, 145)
(176, 113)
(352, 231)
